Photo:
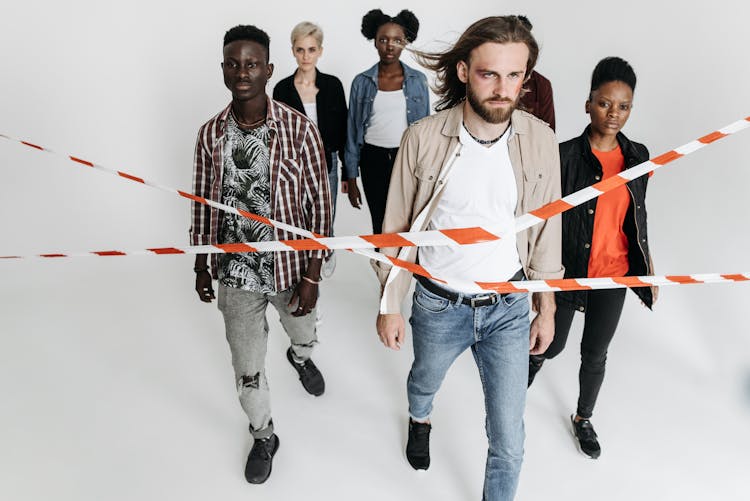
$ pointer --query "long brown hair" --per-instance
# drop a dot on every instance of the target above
(496, 29)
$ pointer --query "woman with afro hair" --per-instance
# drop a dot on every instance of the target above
(384, 100)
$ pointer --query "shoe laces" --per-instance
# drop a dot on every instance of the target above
(262, 448)
(305, 368)
(585, 430)
(421, 431)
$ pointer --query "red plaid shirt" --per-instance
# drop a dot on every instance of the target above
(299, 186)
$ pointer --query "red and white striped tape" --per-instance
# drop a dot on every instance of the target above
(362, 243)
(189, 196)
(577, 284)
(456, 236)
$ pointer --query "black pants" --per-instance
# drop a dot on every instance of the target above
(376, 165)
(600, 322)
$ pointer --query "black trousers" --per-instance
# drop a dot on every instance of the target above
(600, 322)
(376, 165)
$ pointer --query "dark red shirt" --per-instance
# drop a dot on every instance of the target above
(538, 100)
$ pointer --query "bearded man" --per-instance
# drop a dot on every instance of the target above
(478, 162)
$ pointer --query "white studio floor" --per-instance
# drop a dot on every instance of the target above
(116, 384)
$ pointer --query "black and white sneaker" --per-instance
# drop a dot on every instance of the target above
(584, 432)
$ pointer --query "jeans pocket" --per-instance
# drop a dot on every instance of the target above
(429, 301)
(511, 299)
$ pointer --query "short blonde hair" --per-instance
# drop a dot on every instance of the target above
(307, 29)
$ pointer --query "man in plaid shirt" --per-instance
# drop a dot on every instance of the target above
(266, 158)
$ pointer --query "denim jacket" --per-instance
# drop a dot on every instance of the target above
(361, 97)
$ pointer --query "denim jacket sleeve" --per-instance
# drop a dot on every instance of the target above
(417, 95)
(355, 127)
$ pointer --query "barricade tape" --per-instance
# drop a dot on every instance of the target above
(152, 184)
(577, 284)
(309, 242)
(456, 236)
(459, 236)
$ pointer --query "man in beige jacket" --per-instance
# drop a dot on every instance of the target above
(477, 162)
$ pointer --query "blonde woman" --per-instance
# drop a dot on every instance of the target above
(318, 95)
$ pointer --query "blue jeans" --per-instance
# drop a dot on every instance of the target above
(498, 336)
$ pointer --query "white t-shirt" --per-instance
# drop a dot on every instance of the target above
(311, 110)
(387, 120)
(481, 191)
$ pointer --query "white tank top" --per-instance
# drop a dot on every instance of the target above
(311, 110)
(387, 120)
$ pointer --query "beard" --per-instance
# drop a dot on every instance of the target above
(490, 115)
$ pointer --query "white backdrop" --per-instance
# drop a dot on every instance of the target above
(128, 84)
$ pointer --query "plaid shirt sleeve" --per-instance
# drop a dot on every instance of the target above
(202, 172)
(317, 196)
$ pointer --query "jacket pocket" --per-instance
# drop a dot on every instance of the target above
(426, 179)
(289, 171)
(289, 193)
(534, 179)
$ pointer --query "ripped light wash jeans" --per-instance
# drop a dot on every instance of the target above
(247, 333)
(498, 336)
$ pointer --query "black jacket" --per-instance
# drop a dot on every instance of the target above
(331, 107)
(579, 169)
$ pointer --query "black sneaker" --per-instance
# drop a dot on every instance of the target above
(260, 459)
(584, 432)
(535, 363)
(309, 375)
(418, 445)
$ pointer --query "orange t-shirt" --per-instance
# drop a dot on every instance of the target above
(609, 244)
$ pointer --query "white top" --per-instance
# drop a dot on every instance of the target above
(387, 120)
(311, 110)
(480, 192)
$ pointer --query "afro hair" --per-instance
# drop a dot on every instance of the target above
(613, 69)
(374, 19)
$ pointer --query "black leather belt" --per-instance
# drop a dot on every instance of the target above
(474, 302)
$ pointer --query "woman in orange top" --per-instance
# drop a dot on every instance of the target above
(604, 237)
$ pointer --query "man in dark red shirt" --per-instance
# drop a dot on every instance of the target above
(538, 98)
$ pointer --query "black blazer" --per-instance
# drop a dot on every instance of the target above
(579, 168)
(331, 106)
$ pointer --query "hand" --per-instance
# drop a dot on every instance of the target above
(391, 330)
(305, 296)
(203, 286)
(541, 333)
(353, 191)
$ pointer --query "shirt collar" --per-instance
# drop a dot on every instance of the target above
(272, 113)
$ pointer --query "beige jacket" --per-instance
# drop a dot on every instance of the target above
(421, 170)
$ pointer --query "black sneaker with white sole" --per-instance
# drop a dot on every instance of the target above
(586, 436)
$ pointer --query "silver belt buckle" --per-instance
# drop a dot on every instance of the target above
(491, 297)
